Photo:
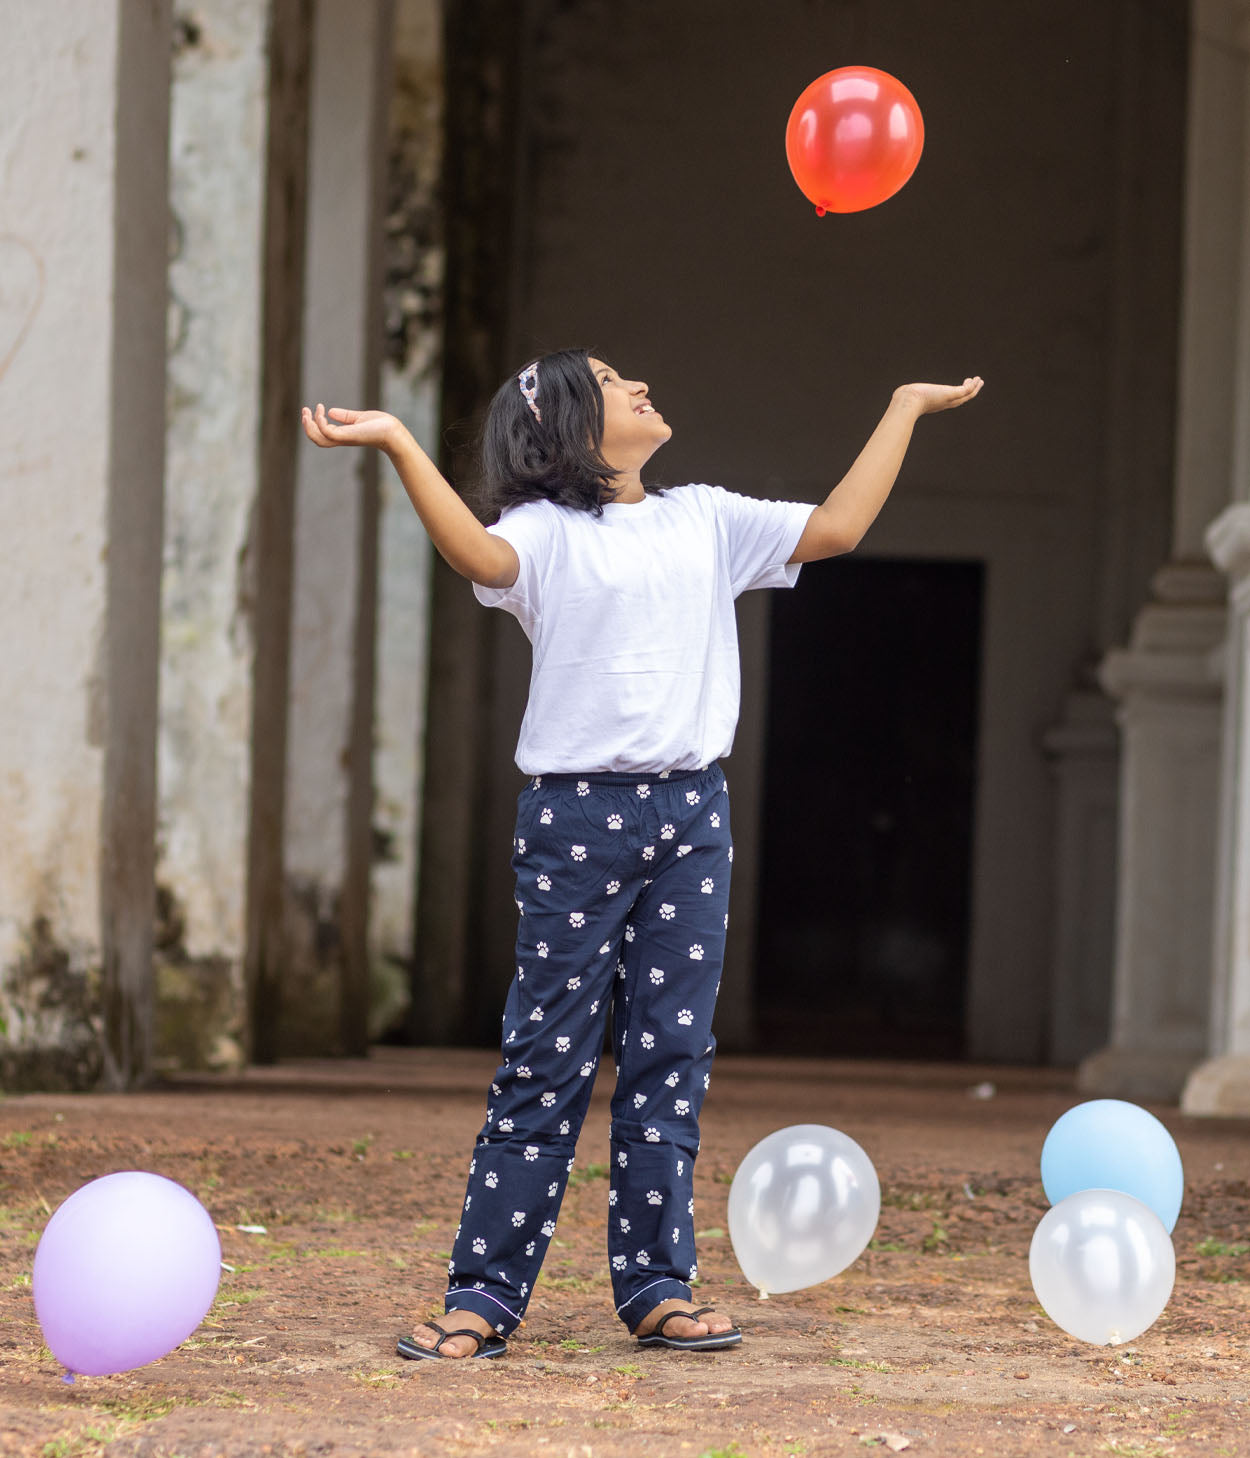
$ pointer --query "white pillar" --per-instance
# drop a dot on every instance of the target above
(1168, 693)
(83, 238)
(328, 844)
(216, 285)
(410, 388)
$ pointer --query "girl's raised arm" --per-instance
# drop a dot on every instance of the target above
(840, 521)
(460, 538)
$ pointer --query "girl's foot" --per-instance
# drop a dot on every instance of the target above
(711, 1323)
(457, 1346)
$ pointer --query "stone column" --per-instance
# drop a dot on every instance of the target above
(83, 141)
(328, 836)
(1221, 1085)
(1169, 698)
(217, 194)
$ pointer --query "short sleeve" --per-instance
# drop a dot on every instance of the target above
(761, 537)
(529, 530)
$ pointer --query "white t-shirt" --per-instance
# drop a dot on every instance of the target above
(631, 617)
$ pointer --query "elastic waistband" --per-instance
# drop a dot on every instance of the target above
(615, 777)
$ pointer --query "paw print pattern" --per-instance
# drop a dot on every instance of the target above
(612, 887)
(505, 1126)
(685, 1017)
(479, 1246)
(707, 885)
(573, 983)
(694, 1272)
(531, 1153)
(518, 1218)
(546, 817)
(611, 1197)
(563, 1045)
(681, 1106)
(622, 1158)
(564, 1126)
(549, 1228)
(684, 850)
(690, 1206)
(537, 1015)
(529, 1249)
(520, 906)
(614, 822)
(647, 1040)
(544, 882)
(492, 1179)
(543, 949)
(672, 1080)
(654, 1197)
(553, 1189)
(594, 1007)
(643, 1258)
(657, 976)
(619, 1263)
(667, 832)
(629, 936)
(604, 950)
(681, 1168)
(731, 853)
(648, 853)
(520, 845)
(524, 1072)
(583, 789)
(548, 1100)
(586, 1069)
(578, 852)
(667, 911)
(714, 820)
(696, 952)
(639, 1100)
(644, 791)
(652, 1136)
(692, 797)
(577, 918)
(624, 1226)
(707, 1080)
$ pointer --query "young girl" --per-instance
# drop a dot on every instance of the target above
(622, 850)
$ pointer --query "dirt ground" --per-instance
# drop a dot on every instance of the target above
(931, 1343)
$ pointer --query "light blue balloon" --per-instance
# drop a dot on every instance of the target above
(1107, 1144)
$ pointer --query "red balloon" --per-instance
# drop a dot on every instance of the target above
(853, 139)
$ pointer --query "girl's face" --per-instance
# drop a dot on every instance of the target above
(633, 429)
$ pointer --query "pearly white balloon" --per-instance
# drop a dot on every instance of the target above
(803, 1205)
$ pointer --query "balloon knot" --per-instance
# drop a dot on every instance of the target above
(820, 212)
(763, 1294)
(67, 1377)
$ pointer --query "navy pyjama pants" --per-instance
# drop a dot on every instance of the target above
(623, 893)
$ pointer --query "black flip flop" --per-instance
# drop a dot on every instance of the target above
(714, 1339)
(487, 1346)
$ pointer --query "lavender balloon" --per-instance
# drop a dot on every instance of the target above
(125, 1271)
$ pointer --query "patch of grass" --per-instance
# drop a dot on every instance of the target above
(886, 1245)
(361, 1147)
(586, 1173)
(732, 1451)
(242, 1297)
(629, 1369)
(138, 1408)
(936, 1240)
(1212, 1247)
(715, 1233)
(327, 1216)
(899, 1199)
(18, 1139)
(402, 1154)
(860, 1366)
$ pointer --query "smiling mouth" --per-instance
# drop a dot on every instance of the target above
(645, 410)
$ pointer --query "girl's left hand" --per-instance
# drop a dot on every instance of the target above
(928, 399)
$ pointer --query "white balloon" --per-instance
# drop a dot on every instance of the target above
(803, 1205)
(1102, 1266)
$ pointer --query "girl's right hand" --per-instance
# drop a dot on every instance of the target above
(351, 427)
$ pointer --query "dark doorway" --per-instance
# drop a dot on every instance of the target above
(869, 789)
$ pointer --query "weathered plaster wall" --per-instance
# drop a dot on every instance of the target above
(217, 161)
(81, 158)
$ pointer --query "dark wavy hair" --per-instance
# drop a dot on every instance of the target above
(557, 459)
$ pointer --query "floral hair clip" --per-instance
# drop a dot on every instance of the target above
(528, 381)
